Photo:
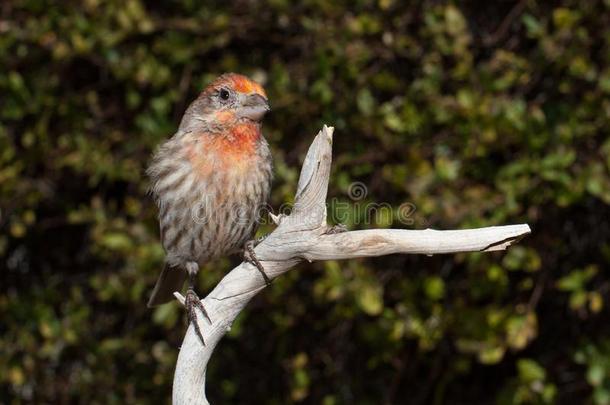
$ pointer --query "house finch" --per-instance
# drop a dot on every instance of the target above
(209, 181)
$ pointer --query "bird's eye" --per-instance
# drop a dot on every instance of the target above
(224, 94)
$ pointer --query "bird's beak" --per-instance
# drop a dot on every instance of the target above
(254, 107)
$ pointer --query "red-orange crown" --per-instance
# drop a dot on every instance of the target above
(239, 83)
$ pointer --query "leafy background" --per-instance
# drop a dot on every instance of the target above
(478, 113)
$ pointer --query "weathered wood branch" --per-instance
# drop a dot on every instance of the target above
(304, 235)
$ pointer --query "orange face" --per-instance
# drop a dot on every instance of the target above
(224, 116)
(244, 99)
(235, 130)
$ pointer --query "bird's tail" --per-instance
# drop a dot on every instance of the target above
(171, 279)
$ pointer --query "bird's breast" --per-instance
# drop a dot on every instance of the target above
(209, 202)
(232, 152)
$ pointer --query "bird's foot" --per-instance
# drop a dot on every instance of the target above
(255, 242)
(339, 228)
(192, 303)
(251, 258)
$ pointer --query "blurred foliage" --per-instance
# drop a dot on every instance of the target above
(475, 113)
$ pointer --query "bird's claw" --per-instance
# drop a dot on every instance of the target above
(251, 258)
(277, 219)
(192, 303)
(338, 228)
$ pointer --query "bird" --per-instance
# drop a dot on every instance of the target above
(210, 181)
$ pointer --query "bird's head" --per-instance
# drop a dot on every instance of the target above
(231, 99)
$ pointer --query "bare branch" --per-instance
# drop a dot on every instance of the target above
(303, 235)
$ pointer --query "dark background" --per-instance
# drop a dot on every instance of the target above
(477, 113)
